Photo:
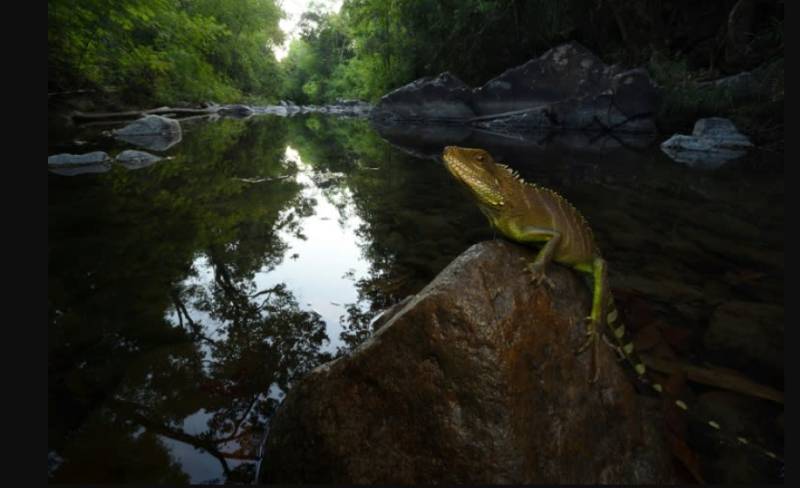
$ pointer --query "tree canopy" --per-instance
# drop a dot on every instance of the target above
(372, 46)
(168, 51)
(165, 50)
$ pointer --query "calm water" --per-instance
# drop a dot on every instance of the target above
(186, 297)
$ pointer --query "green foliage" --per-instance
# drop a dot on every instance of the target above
(755, 108)
(373, 46)
(165, 50)
(141, 338)
(685, 101)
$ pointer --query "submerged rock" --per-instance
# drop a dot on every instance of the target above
(473, 380)
(568, 87)
(152, 132)
(713, 142)
(132, 159)
(236, 111)
(77, 164)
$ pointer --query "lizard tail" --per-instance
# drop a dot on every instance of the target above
(627, 352)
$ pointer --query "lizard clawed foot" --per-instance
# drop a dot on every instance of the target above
(538, 276)
(588, 342)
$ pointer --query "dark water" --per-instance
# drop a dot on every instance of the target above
(186, 297)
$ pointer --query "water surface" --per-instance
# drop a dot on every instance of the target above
(186, 297)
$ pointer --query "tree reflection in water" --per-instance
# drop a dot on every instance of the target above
(175, 321)
(148, 349)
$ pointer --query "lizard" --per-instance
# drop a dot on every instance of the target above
(529, 214)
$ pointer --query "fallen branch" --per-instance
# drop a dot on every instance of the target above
(137, 113)
(721, 378)
(124, 121)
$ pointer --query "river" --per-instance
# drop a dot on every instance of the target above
(186, 297)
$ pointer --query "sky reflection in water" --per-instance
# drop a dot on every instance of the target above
(320, 270)
(139, 392)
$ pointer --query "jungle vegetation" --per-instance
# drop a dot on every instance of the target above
(169, 51)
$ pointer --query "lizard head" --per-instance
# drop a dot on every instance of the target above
(477, 170)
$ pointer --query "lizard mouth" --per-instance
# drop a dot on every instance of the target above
(458, 169)
(476, 179)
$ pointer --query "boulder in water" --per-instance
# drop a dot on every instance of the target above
(473, 380)
(713, 142)
(152, 132)
(77, 164)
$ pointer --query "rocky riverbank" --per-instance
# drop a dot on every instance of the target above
(567, 87)
(472, 380)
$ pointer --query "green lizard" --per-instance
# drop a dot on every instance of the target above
(530, 214)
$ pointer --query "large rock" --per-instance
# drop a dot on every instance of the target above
(714, 141)
(765, 83)
(152, 132)
(567, 71)
(443, 98)
(568, 87)
(473, 380)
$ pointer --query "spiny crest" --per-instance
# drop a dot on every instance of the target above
(512, 172)
(557, 196)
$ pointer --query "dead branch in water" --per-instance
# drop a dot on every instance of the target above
(79, 116)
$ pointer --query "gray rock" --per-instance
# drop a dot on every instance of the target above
(356, 108)
(95, 157)
(78, 164)
(635, 94)
(150, 125)
(281, 110)
(347, 108)
(132, 159)
(741, 86)
(152, 132)
(443, 98)
(721, 132)
(236, 111)
(564, 72)
(473, 380)
(568, 87)
(714, 141)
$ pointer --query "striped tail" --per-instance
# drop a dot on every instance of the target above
(625, 348)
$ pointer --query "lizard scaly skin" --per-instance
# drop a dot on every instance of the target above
(532, 215)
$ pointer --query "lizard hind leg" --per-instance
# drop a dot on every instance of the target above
(597, 317)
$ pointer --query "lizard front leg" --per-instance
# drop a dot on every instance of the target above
(538, 267)
(598, 315)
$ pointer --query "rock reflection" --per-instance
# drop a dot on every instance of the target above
(141, 344)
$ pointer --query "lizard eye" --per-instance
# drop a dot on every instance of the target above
(479, 157)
